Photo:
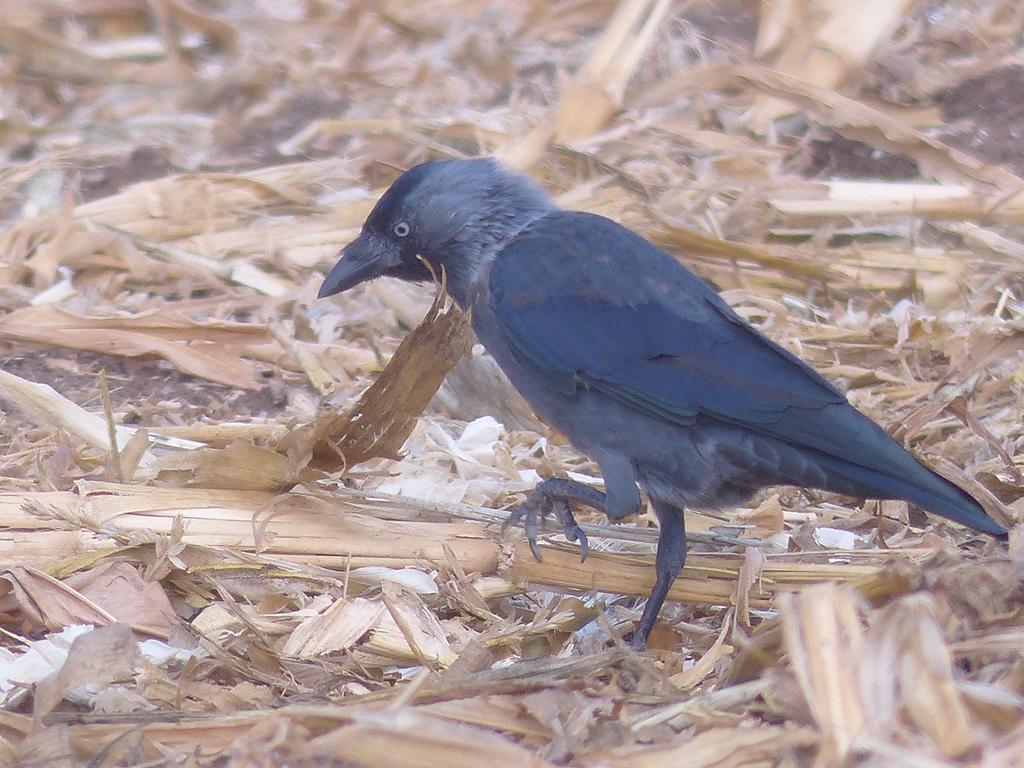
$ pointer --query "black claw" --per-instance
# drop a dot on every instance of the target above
(531, 525)
(514, 516)
(534, 548)
(533, 513)
(572, 530)
(564, 515)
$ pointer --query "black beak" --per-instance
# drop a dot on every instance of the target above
(363, 259)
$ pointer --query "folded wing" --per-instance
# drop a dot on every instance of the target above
(587, 303)
(592, 304)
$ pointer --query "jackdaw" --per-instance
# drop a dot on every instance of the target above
(633, 357)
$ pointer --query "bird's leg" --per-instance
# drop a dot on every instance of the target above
(667, 564)
(552, 496)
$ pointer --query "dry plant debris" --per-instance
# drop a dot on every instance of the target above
(233, 533)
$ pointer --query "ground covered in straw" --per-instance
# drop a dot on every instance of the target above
(222, 546)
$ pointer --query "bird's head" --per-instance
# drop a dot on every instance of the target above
(454, 214)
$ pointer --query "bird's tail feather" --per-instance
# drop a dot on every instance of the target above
(918, 484)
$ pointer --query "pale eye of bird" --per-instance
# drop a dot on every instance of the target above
(402, 229)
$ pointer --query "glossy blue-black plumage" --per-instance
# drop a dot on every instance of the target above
(586, 303)
(633, 357)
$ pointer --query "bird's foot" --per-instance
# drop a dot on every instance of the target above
(637, 641)
(534, 511)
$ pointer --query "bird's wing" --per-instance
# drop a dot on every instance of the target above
(589, 303)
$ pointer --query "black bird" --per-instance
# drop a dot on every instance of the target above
(633, 357)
